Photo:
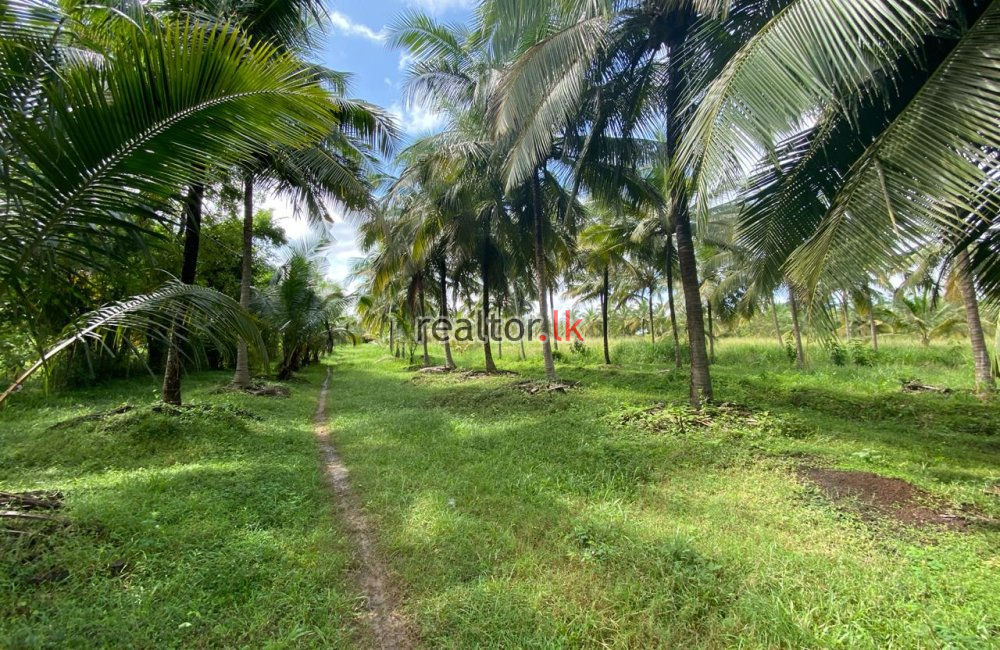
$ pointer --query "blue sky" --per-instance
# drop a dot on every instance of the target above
(355, 43)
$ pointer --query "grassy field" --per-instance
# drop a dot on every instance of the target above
(546, 520)
(610, 515)
(188, 529)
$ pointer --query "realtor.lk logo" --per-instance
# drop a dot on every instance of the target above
(496, 329)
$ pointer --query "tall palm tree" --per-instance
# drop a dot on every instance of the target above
(633, 50)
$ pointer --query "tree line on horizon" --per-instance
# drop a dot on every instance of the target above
(839, 154)
(834, 160)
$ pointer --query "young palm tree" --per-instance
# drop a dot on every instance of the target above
(602, 248)
(302, 307)
(131, 95)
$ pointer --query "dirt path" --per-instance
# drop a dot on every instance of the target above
(389, 627)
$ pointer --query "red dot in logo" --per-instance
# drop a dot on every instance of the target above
(542, 338)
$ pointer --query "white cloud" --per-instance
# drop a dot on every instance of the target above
(405, 59)
(341, 235)
(348, 27)
(415, 119)
(439, 6)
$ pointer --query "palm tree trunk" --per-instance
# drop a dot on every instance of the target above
(423, 328)
(777, 325)
(552, 306)
(701, 381)
(519, 305)
(487, 351)
(800, 357)
(670, 300)
(443, 275)
(872, 328)
(711, 334)
(980, 353)
(604, 316)
(241, 378)
(847, 319)
(500, 306)
(392, 338)
(171, 391)
(652, 329)
(536, 196)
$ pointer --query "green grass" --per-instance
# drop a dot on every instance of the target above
(560, 520)
(516, 520)
(222, 521)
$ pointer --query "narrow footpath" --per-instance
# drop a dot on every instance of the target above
(390, 629)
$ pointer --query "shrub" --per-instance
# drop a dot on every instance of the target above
(863, 354)
(838, 354)
(630, 352)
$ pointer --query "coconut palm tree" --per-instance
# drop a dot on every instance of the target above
(302, 307)
(635, 51)
(602, 248)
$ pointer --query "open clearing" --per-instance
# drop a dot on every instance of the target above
(606, 515)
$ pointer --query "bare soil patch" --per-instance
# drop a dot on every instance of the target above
(544, 387)
(881, 497)
(381, 600)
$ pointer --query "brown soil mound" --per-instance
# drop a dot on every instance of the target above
(883, 497)
(543, 387)
(257, 388)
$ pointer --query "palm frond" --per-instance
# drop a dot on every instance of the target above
(540, 93)
(114, 141)
(932, 170)
(800, 61)
(184, 309)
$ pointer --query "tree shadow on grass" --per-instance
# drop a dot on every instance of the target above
(516, 521)
(185, 555)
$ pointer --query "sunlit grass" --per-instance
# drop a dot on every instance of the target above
(543, 520)
(517, 520)
(198, 529)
